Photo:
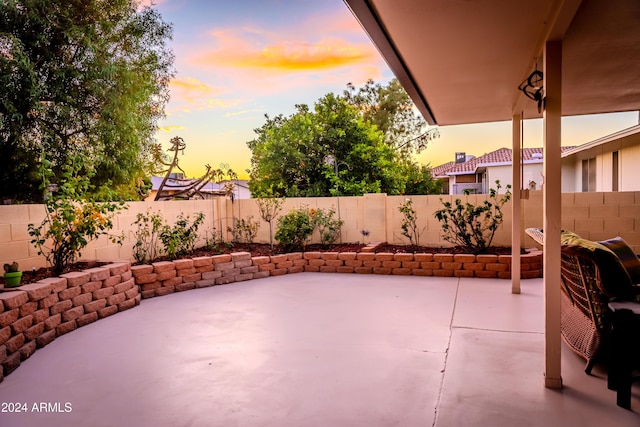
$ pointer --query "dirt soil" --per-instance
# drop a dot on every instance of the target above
(264, 249)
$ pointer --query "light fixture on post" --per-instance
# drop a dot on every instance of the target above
(533, 89)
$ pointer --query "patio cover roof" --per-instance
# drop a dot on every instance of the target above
(462, 61)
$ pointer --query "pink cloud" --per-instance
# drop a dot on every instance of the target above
(150, 3)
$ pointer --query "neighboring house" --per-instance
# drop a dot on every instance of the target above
(209, 190)
(479, 174)
(610, 163)
(606, 164)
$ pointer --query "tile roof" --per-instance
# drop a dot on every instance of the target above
(501, 156)
(442, 169)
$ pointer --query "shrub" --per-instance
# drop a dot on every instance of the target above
(409, 225)
(295, 228)
(181, 238)
(473, 227)
(147, 234)
(215, 243)
(328, 226)
(72, 219)
(244, 231)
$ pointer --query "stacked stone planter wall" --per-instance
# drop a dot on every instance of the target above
(167, 277)
(36, 314)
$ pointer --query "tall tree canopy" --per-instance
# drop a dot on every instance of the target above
(346, 145)
(390, 108)
(297, 155)
(87, 77)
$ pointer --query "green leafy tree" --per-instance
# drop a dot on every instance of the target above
(420, 180)
(299, 155)
(391, 110)
(80, 77)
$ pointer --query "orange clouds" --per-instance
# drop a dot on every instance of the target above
(170, 128)
(240, 113)
(293, 49)
(190, 88)
(288, 56)
(189, 94)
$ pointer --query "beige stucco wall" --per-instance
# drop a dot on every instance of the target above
(15, 240)
(594, 216)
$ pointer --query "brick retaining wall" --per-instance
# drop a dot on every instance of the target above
(34, 315)
(166, 277)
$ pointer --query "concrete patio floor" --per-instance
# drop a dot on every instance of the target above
(316, 349)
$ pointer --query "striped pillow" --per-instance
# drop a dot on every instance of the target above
(628, 258)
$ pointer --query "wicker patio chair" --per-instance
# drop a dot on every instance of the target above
(591, 275)
(585, 317)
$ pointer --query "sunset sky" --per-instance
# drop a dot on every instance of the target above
(239, 60)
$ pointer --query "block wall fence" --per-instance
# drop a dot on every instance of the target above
(33, 315)
(594, 216)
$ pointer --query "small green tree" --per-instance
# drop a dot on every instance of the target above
(269, 208)
(72, 219)
(409, 225)
(470, 226)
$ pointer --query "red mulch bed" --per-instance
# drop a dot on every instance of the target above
(263, 249)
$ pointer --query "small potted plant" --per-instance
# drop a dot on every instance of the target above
(12, 276)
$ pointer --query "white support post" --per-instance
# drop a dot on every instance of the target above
(552, 211)
(516, 124)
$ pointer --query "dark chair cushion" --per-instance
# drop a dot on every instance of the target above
(616, 282)
(628, 258)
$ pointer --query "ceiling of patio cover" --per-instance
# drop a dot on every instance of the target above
(462, 60)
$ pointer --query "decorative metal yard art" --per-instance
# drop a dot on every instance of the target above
(181, 188)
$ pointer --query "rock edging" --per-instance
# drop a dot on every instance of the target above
(33, 315)
(166, 277)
